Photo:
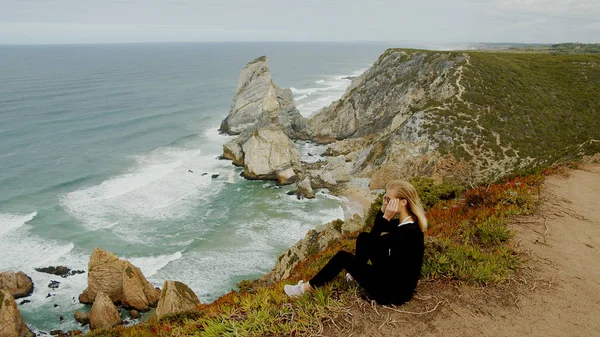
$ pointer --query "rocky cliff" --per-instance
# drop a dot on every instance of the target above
(472, 115)
(258, 102)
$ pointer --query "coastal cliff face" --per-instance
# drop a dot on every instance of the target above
(258, 102)
(387, 94)
(474, 116)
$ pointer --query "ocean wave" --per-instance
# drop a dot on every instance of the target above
(23, 251)
(150, 265)
(10, 222)
(159, 186)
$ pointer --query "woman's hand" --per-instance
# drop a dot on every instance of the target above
(391, 209)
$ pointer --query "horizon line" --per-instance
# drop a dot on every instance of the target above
(287, 41)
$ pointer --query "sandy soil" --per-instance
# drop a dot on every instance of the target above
(557, 292)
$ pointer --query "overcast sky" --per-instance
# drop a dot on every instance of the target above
(105, 21)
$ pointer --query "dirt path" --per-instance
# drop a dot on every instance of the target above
(558, 293)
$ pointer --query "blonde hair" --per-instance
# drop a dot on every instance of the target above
(404, 190)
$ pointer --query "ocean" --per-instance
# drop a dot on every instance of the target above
(96, 147)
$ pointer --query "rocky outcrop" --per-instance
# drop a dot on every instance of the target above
(313, 242)
(61, 271)
(270, 155)
(17, 284)
(258, 102)
(11, 322)
(304, 189)
(232, 150)
(387, 94)
(176, 297)
(81, 317)
(137, 292)
(104, 313)
(334, 171)
(120, 280)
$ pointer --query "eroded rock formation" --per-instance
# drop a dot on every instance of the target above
(120, 280)
(11, 322)
(313, 242)
(17, 284)
(104, 313)
(258, 102)
(270, 155)
(176, 297)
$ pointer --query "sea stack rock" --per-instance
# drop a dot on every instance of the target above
(304, 189)
(17, 284)
(258, 102)
(104, 314)
(11, 322)
(120, 280)
(176, 297)
(270, 155)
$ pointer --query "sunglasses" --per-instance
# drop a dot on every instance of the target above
(387, 199)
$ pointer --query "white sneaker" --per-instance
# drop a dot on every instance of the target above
(294, 290)
(349, 277)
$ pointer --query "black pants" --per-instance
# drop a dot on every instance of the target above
(356, 265)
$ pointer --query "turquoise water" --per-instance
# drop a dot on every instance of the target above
(95, 146)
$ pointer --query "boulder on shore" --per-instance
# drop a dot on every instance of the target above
(104, 313)
(258, 102)
(17, 284)
(270, 155)
(120, 280)
(11, 322)
(176, 297)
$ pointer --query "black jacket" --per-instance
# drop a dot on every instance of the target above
(396, 256)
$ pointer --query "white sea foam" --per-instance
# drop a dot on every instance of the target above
(150, 265)
(10, 222)
(310, 152)
(22, 251)
(159, 186)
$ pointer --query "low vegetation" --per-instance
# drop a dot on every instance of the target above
(468, 241)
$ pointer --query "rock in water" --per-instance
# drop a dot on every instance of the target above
(270, 155)
(258, 102)
(134, 314)
(11, 322)
(120, 280)
(104, 314)
(53, 285)
(138, 293)
(82, 317)
(58, 270)
(17, 284)
(305, 189)
(176, 297)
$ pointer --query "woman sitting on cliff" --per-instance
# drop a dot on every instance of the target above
(394, 247)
